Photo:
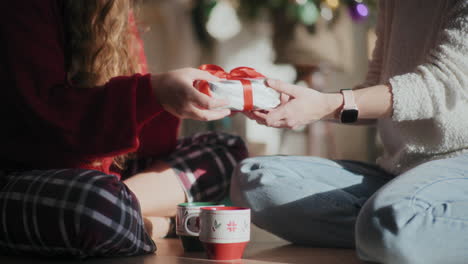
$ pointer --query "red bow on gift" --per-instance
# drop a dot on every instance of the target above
(239, 73)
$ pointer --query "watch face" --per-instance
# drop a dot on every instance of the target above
(349, 116)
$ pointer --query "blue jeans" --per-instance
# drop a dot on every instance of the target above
(420, 216)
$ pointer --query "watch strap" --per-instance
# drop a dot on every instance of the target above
(348, 98)
(349, 112)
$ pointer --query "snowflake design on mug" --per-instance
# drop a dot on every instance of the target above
(232, 226)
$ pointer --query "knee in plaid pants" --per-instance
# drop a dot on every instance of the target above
(70, 212)
(205, 163)
(76, 212)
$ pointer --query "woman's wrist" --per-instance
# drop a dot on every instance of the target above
(334, 103)
(155, 84)
(373, 102)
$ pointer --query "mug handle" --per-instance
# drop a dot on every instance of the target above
(187, 218)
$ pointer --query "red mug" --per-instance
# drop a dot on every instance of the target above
(224, 231)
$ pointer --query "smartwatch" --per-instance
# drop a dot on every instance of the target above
(349, 112)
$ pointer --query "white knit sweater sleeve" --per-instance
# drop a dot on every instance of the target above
(440, 83)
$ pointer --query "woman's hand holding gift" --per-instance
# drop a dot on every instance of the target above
(299, 106)
(175, 92)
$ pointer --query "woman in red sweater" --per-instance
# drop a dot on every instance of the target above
(85, 153)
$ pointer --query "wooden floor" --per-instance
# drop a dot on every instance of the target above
(170, 252)
(264, 248)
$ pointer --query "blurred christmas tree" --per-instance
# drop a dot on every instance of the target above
(305, 12)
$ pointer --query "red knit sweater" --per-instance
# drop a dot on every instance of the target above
(46, 122)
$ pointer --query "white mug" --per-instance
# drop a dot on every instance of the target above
(187, 218)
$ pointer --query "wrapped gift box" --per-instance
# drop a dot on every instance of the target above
(243, 87)
(263, 97)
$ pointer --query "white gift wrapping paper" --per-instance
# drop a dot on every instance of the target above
(232, 90)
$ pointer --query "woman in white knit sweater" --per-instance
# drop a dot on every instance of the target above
(412, 207)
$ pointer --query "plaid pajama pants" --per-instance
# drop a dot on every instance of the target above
(83, 213)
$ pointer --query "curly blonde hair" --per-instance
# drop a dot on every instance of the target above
(98, 45)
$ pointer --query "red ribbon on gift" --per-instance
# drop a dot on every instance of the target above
(239, 73)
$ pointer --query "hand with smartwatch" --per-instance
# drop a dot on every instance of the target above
(305, 105)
